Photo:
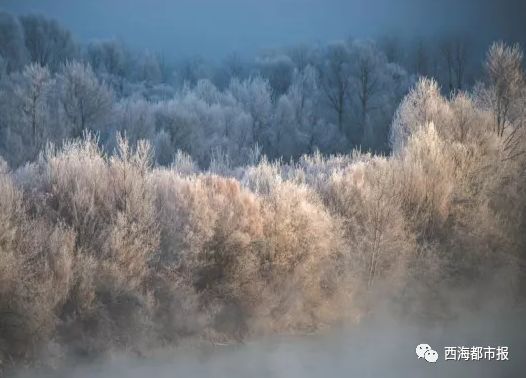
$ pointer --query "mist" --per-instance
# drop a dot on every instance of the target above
(212, 29)
(383, 345)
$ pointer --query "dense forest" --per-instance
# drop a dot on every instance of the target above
(145, 202)
(283, 103)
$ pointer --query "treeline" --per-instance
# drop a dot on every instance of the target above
(283, 103)
(102, 253)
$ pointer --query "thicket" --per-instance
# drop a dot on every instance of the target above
(283, 102)
(110, 252)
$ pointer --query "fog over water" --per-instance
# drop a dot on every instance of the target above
(379, 347)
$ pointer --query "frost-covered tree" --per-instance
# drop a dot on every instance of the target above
(135, 118)
(112, 62)
(12, 47)
(47, 42)
(233, 66)
(423, 105)
(302, 56)
(278, 69)
(335, 80)
(506, 82)
(33, 91)
(149, 69)
(255, 97)
(163, 148)
(365, 72)
(377, 88)
(299, 126)
(108, 57)
(191, 70)
(175, 128)
(86, 100)
(29, 114)
(286, 129)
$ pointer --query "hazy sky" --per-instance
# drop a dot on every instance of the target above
(212, 28)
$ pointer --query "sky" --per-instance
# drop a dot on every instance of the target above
(214, 28)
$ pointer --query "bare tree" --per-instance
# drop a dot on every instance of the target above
(32, 91)
(301, 56)
(278, 69)
(422, 59)
(85, 100)
(366, 79)
(375, 84)
(455, 54)
(460, 60)
(335, 80)
(191, 70)
(48, 43)
(12, 48)
(255, 97)
(149, 69)
(506, 81)
(446, 49)
(109, 57)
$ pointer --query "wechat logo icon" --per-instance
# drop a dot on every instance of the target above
(427, 353)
